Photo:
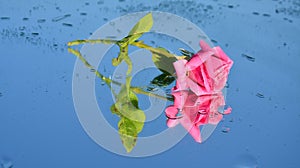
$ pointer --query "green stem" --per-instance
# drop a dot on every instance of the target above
(138, 44)
(108, 81)
(96, 41)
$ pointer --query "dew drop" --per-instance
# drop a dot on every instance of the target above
(250, 58)
(4, 18)
(59, 18)
(41, 20)
(225, 129)
(214, 41)
(67, 24)
(35, 34)
(230, 6)
(260, 95)
(266, 15)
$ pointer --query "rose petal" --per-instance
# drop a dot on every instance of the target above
(204, 46)
(198, 59)
(191, 128)
(198, 90)
(194, 87)
(215, 119)
(227, 111)
(221, 54)
(179, 98)
(172, 123)
(195, 132)
(206, 79)
(201, 119)
(181, 74)
(171, 111)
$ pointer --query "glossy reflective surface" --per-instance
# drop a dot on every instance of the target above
(38, 123)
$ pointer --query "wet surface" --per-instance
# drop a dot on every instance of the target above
(36, 109)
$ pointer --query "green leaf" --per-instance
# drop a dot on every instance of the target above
(127, 106)
(162, 62)
(128, 131)
(163, 80)
(131, 117)
(131, 122)
(143, 25)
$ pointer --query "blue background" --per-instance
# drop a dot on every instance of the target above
(38, 123)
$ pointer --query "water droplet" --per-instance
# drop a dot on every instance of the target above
(67, 24)
(252, 59)
(266, 15)
(227, 85)
(225, 129)
(260, 95)
(4, 18)
(35, 34)
(41, 20)
(214, 41)
(246, 161)
(58, 18)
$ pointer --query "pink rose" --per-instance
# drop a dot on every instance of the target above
(198, 91)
